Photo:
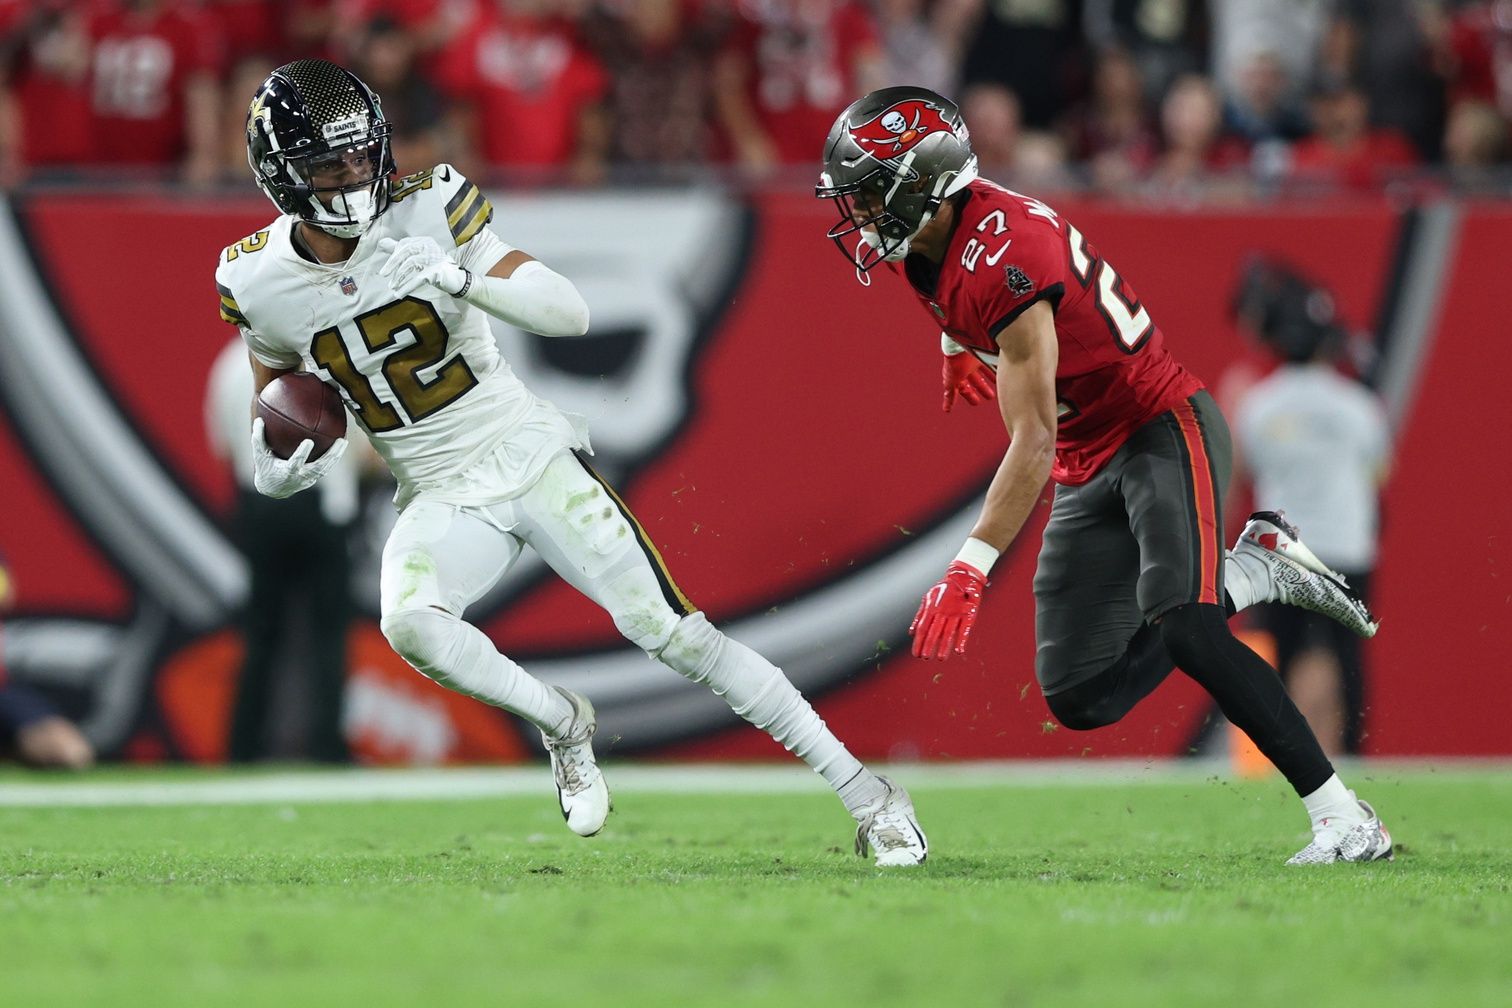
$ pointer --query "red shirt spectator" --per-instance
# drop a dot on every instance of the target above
(430, 24)
(46, 73)
(1346, 150)
(1479, 45)
(153, 78)
(791, 67)
(256, 26)
(529, 88)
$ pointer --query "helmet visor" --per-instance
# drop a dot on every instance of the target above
(356, 164)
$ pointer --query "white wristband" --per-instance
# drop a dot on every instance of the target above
(979, 555)
(950, 347)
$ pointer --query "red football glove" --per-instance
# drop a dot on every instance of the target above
(966, 376)
(949, 609)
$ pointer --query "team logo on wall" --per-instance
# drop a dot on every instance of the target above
(123, 455)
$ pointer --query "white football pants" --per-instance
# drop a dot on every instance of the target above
(442, 557)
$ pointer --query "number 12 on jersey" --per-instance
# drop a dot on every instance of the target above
(1128, 320)
(402, 366)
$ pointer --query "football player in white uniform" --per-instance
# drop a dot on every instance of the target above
(379, 286)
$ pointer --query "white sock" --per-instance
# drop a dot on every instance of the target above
(460, 657)
(1333, 806)
(1247, 580)
(759, 692)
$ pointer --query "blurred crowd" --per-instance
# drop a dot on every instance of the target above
(1166, 99)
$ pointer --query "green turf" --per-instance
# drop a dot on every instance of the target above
(1089, 895)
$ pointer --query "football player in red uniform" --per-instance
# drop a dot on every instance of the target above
(1133, 577)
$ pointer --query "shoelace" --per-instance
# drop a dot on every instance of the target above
(572, 763)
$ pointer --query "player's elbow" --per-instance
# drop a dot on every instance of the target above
(568, 312)
(575, 317)
(1035, 443)
(1036, 449)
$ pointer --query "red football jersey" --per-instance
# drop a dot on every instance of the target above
(1009, 251)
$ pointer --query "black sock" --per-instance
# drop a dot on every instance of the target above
(1249, 692)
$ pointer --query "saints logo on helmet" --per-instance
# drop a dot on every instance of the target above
(318, 144)
(889, 161)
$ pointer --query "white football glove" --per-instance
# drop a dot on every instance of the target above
(416, 262)
(276, 477)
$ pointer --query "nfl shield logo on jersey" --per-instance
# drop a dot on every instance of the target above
(348, 286)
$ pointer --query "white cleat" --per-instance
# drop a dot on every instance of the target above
(581, 791)
(1366, 841)
(1299, 577)
(892, 831)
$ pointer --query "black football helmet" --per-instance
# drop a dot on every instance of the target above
(315, 129)
(889, 161)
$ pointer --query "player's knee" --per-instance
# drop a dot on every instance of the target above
(1080, 713)
(1193, 633)
(649, 626)
(692, 648)
(423, 637)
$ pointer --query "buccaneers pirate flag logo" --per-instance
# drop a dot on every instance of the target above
(899, 128)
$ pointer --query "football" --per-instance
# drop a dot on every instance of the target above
(297, 406)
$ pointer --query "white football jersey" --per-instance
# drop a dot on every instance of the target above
(422, 374)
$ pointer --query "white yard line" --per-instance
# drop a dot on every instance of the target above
(219, 787)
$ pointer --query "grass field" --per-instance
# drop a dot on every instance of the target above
(1124, 887)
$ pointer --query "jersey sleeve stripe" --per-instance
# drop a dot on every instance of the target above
(460, 198)
(460, 204)
(479, 219)
(230, 311)
(467, 212)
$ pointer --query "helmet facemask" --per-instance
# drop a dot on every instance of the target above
(345, 188)
(879, 215)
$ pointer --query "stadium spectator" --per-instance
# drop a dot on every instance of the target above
(1288, 35)
(1386, 48)
(1345, 151)
(1167, 39)
(431, 25)
(1029, 158)
(530, 95)
(1113, 131)
(251, 26)
(1264, 104)
(659, 55)
(1475, 148)
(32, 730)
(386, 55)
(1476, 54)
(1196, 157)
(298, 604)
(155, 89)
(785, 73)
(44, 90)
(1035, 49)
(996, 118)
(1319, 442)
(922, 42)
